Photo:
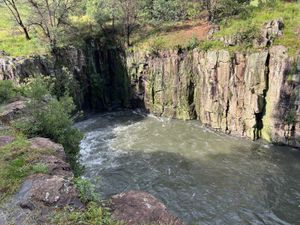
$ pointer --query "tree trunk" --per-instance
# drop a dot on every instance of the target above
(24, 28)
(26, 33)
(128, 35)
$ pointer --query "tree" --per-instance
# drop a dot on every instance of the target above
(51, 17)
(12, 5)
(103, 11)
(169, 10)
(129, 17)
(222, 9)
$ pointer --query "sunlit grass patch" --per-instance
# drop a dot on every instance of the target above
(13, 41)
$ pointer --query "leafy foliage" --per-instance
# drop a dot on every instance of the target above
(86, 190)
(51, 117)
(7, 91)
(193, 43)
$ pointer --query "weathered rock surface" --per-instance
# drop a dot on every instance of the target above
(135, 208)
(269, 32)
(245, 94)
(46, 143)
(40, 194)
(254, 94)
(100, 72)
(12, 111)
(5, 140)
(17, 69)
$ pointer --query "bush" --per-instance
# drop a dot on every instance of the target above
(86, 190)
(169, 10)
(225, 9)
(51, 117)
(37, 88)
(7, 91)
(156, 45)
(248, 34)
(193, 43)
(64, 82)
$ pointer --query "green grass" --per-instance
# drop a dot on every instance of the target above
(289, 12)
(174, 34)
(17, 161)
(13, 41)
(94, 214)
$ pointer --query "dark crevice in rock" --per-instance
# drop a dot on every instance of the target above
(226, 115)
(262, 103)
(191, 92)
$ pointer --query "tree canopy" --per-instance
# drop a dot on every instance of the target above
(52, 19)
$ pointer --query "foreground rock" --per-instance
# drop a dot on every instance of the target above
(41, 194)
(135, 208)
(46, 143)
(12, 111)
(5, 140)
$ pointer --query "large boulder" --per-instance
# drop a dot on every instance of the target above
(46, 190)
(12, 111)
(136, 207)
(41, 194)
(46, 143)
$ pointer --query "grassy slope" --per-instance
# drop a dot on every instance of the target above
(12, 40)
(165, 36)
(170, 34)
(289, 12)
(17, 161)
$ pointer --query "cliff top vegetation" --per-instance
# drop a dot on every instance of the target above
(31, 27)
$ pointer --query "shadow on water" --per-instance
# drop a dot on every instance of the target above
(250, 184)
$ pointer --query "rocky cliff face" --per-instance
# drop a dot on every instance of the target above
(254, 94)
(245, 94)
(17, 69)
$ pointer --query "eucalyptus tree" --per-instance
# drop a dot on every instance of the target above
(51, 17)
(14, 8)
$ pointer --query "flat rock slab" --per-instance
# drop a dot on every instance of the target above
(40, 194)
(46, 143)
(5, 140)
(136, 207)
(12, 111)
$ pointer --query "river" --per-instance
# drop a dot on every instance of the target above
(202, 176)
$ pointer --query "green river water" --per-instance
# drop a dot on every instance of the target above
(203, 177)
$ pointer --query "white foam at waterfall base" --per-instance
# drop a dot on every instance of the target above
(89, 148)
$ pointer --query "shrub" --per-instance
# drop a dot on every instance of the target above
(37, 88)
(7, 91)
(169, 10)
(156, 45)
(248, 34)
(230, 8)
(64, 82)
(86, 190)
(193, 43)
(50, 117)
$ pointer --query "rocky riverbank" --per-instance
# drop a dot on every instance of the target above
(49, 190)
